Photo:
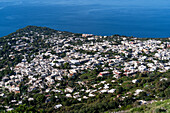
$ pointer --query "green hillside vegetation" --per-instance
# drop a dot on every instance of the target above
(157, 107)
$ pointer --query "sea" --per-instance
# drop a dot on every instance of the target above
(138, 18)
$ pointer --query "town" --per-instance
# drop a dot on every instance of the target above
(81, 66)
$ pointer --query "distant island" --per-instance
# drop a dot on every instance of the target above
(43, 70)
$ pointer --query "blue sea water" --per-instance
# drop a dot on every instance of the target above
(139, 18)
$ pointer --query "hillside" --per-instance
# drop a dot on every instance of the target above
(45, 70)
(157, 107)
